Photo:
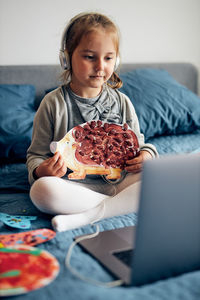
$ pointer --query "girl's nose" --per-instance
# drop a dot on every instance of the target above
(99, 64)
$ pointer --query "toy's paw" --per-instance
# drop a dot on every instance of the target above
(114, 174)
(77, 175)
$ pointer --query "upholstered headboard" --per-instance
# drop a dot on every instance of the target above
(45, 77)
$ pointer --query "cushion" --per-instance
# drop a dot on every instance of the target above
(163, 106)
(16, 120)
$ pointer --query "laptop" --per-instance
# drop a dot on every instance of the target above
(166, 240)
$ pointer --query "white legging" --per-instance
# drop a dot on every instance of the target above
(76, 204)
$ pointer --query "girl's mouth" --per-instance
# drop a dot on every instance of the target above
(96, 77)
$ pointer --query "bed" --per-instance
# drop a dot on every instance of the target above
(168, 108)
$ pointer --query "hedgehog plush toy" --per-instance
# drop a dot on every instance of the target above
(97, 147)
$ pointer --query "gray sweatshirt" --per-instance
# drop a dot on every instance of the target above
(61, 110)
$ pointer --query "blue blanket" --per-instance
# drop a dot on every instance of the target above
(181, 143)
(14, 199)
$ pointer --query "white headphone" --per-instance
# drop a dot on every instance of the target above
(64, 56)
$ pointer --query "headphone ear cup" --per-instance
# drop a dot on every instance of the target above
(117, 63)
(64, 60)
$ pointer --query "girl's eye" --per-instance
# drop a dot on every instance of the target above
(93, 58)
(89, 57)
(109, 58)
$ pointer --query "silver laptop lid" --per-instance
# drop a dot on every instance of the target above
(168, 231)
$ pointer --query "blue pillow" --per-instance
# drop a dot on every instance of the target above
(16, 120)
(163, 106)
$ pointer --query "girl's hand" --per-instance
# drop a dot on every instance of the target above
(54, 166)
(135, 165)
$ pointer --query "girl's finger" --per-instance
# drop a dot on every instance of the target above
(60, 168)
(133, 161)
(134, 168)
(60, 164)
(53, 160)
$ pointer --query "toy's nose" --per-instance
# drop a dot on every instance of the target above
(53, 146)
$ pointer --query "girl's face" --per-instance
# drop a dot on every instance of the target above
(93, 63)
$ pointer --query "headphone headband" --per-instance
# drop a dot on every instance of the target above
(63, 55)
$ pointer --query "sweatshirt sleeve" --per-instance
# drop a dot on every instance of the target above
(50, 123)
(129, 116)
(41, 137)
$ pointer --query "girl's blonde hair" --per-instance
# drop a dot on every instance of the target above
(80, 26)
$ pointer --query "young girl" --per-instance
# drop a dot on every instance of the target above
(90, 56)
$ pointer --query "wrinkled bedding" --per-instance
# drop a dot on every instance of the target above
(182, 143)
(14, 199)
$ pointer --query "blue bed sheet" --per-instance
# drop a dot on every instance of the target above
(14, 199)
(182, 143)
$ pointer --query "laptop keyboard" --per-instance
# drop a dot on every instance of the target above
(125, 256)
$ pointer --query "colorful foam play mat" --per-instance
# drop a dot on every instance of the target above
(24, 268)
(31, 238)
